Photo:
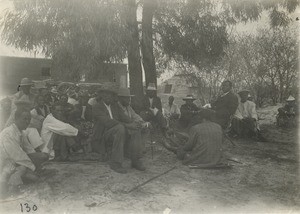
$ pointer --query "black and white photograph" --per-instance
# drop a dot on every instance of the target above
(149, 106)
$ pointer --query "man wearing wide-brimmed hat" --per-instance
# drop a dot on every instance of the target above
(152, 108)
(287, 115)
(188, 111)
(245, 120)
(136, 136)
(110, 129)
(24, 95)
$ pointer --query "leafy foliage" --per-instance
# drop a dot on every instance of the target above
(78, 35)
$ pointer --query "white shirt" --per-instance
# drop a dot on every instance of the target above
(109, 110)
(246, 109)
(52, 125)
(11, 152)
(169, 110)
(92, 101)
(151, 102)
(72, 101)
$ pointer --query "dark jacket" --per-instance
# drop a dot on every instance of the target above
(78, 108)
(103, 122)
(225, 107)
(155, 104)
(188, 113)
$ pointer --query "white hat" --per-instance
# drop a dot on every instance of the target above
(151, 87)
(291, 98)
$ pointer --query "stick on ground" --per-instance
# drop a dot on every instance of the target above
(151, 179)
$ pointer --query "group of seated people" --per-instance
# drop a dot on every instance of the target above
(51, 126)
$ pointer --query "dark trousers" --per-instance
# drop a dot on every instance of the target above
(38, 158)
(62, 144)
(246, 127)
(123, 141)
(158, 118)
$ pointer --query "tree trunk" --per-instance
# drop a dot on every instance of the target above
(134, 58)
(149, 7)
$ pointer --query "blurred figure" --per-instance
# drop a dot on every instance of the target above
(225, 105)
(288, 114)
(189, 112)
(67, 108)
(39, 113)
(245, 120)
(58, 136)
(24, 94)
(15, 164)
(204, 147)
(171, 110)
(152, 108)
(5, 108)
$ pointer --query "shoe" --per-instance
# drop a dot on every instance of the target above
(117, 167)
(137, 164)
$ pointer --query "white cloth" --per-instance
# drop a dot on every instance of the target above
(83, 112)
(72, 101)
(31, 140)
(246, 109)
(151, 102)
(52, 125)
(11, 152)
(169, 110)
(92, 101)
(109, 110)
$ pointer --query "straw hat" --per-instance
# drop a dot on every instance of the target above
(291, 98)
(151, 87)
(124, 92)
(189, 97)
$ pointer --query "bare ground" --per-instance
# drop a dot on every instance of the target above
(266, 181)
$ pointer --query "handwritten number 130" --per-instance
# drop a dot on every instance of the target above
(27, 208)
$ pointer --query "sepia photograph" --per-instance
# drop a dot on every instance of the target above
(149, 106)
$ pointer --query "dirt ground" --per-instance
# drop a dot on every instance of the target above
(266, 181)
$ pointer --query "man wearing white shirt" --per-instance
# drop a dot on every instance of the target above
(244, 122)
(57, 135)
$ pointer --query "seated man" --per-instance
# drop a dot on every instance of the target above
(287, 115)
(244, 121)
(225, 105)
(5, 108)
(152, 109)
(58, 136)
(67, 108)
(15, 164)
(171, 110)
(203, 148)
(114, 127)
(124, 102)
(82, 119)
(39, 113)
(189, 112)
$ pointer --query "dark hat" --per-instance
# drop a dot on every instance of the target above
(244, 91)
(189, 97)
